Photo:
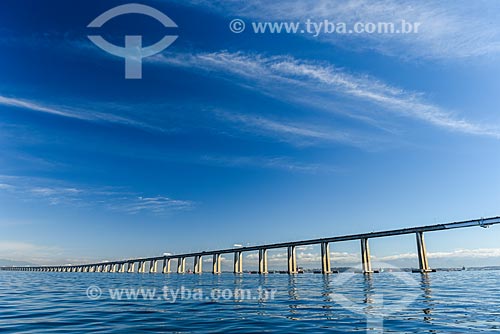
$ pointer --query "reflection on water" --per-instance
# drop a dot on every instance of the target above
(442, 302)
(427, 302)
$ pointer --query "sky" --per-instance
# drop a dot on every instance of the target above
(248, 138)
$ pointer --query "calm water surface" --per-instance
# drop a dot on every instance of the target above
(442, 302)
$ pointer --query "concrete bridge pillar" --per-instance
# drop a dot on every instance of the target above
(325, 258)
(131, 267)
(238, 262)
(198, 267)
(142, 266)
(262, 261)
(181, 265)
(153, 266)
(365, 257)
(292, 260)
(216, 264)
(422, 253)
(166, 266)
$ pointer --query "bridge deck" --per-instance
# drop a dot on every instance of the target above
(483, 222)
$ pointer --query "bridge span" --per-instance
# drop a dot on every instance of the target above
(139, 264)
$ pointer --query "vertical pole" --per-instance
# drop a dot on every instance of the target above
(166, 266)
(133, 59)
(181, 265)
(325, 258)
(238, 263)
(365, 256)
(216, 265)
(292, 260)
(422, 253)
(153, 266)
(262, 261)
(198, 264)
(142, 267)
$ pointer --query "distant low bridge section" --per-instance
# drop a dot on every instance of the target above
(139, 264)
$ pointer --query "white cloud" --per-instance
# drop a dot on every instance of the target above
(280, 163)
(59, 193)
(294, 133)
(156, 205)
(448, 29)
(282, 76)
(85, 114)
(24, 251)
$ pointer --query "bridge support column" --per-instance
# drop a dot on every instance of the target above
(238, 263)
(422, 253)
(292, 260)
(131, 267)
(142, 267)
(153, 266)
(325, 258)
(365, 257)
(166, 266)
(181, 265)
(216, 264)
(198, 267)
(262, 261)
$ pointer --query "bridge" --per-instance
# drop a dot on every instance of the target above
(139, 264)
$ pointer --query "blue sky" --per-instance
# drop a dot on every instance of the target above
(248, 138)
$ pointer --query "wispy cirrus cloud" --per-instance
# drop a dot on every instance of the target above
(290, 132)
(59, 193)
(448, 29)
(282, 76)
(155, 205)
(278, 163)
(26, 251)
(79, 113)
